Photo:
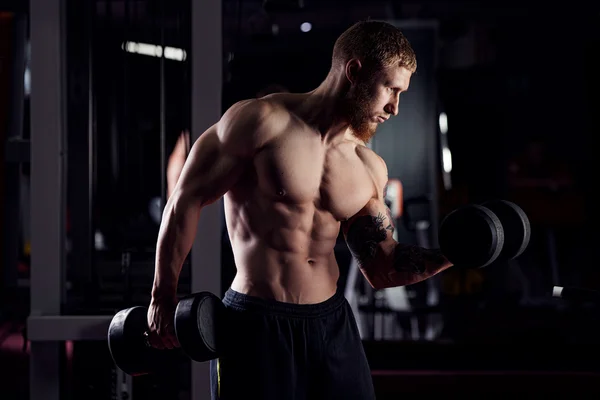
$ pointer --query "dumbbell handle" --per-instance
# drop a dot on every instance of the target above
(577, 294)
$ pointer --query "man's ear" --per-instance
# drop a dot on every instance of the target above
(353, 67)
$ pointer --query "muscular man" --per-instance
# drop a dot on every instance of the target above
(293, 170)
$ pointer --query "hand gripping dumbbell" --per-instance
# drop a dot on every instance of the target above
(477, 235)
(199, 322)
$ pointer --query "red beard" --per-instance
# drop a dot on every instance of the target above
(357, 108)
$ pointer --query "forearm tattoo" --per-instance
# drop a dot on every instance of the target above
(365, 234)
(415, 259)
(391, 226)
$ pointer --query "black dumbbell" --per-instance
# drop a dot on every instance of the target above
(199, 319)
(516, 227)
(576, 295)
(475, 236)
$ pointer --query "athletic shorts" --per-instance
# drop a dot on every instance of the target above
(284, 351)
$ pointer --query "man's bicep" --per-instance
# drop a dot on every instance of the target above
(370, 232)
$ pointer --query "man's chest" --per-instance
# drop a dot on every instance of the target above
(301, 171)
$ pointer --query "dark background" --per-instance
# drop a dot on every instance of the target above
(506, 73)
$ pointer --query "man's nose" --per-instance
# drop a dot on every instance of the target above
(392, 107)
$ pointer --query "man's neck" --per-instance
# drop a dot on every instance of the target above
(324, 109)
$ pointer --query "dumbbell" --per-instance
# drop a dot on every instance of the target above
(199, 320)
(477, 235)
(576, 295)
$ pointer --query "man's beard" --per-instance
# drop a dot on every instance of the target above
(357, 106)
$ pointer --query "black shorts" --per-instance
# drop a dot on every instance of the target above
(283, 351)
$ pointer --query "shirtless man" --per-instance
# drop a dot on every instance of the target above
(293, 170)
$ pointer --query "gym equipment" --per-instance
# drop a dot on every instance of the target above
(130, 349)
(471, 236)
(576, 294)
(475, 236)
(200, 326)
(516, 226)
(198, 321)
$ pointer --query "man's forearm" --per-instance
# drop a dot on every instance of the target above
(175, 239)
(406, 264)
(384, 261)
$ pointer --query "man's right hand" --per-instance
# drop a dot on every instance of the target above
(161, 323)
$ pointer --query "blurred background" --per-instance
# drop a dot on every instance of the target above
(504, 104)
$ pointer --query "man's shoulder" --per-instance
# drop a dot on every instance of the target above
(263, 113)
(374, 163)
(254, 120)
(251, 110)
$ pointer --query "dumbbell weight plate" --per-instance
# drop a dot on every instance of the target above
(471, 236)
(516, 226)
(199, 324)
(128, 347)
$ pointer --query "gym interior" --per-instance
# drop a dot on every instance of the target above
(95, 95)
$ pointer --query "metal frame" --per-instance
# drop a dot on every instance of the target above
(46, 327)
(68, 327)
(207, 86)
(47, 190)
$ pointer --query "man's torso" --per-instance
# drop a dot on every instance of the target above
(284, 214)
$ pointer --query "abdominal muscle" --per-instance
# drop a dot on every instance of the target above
(287, 255)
